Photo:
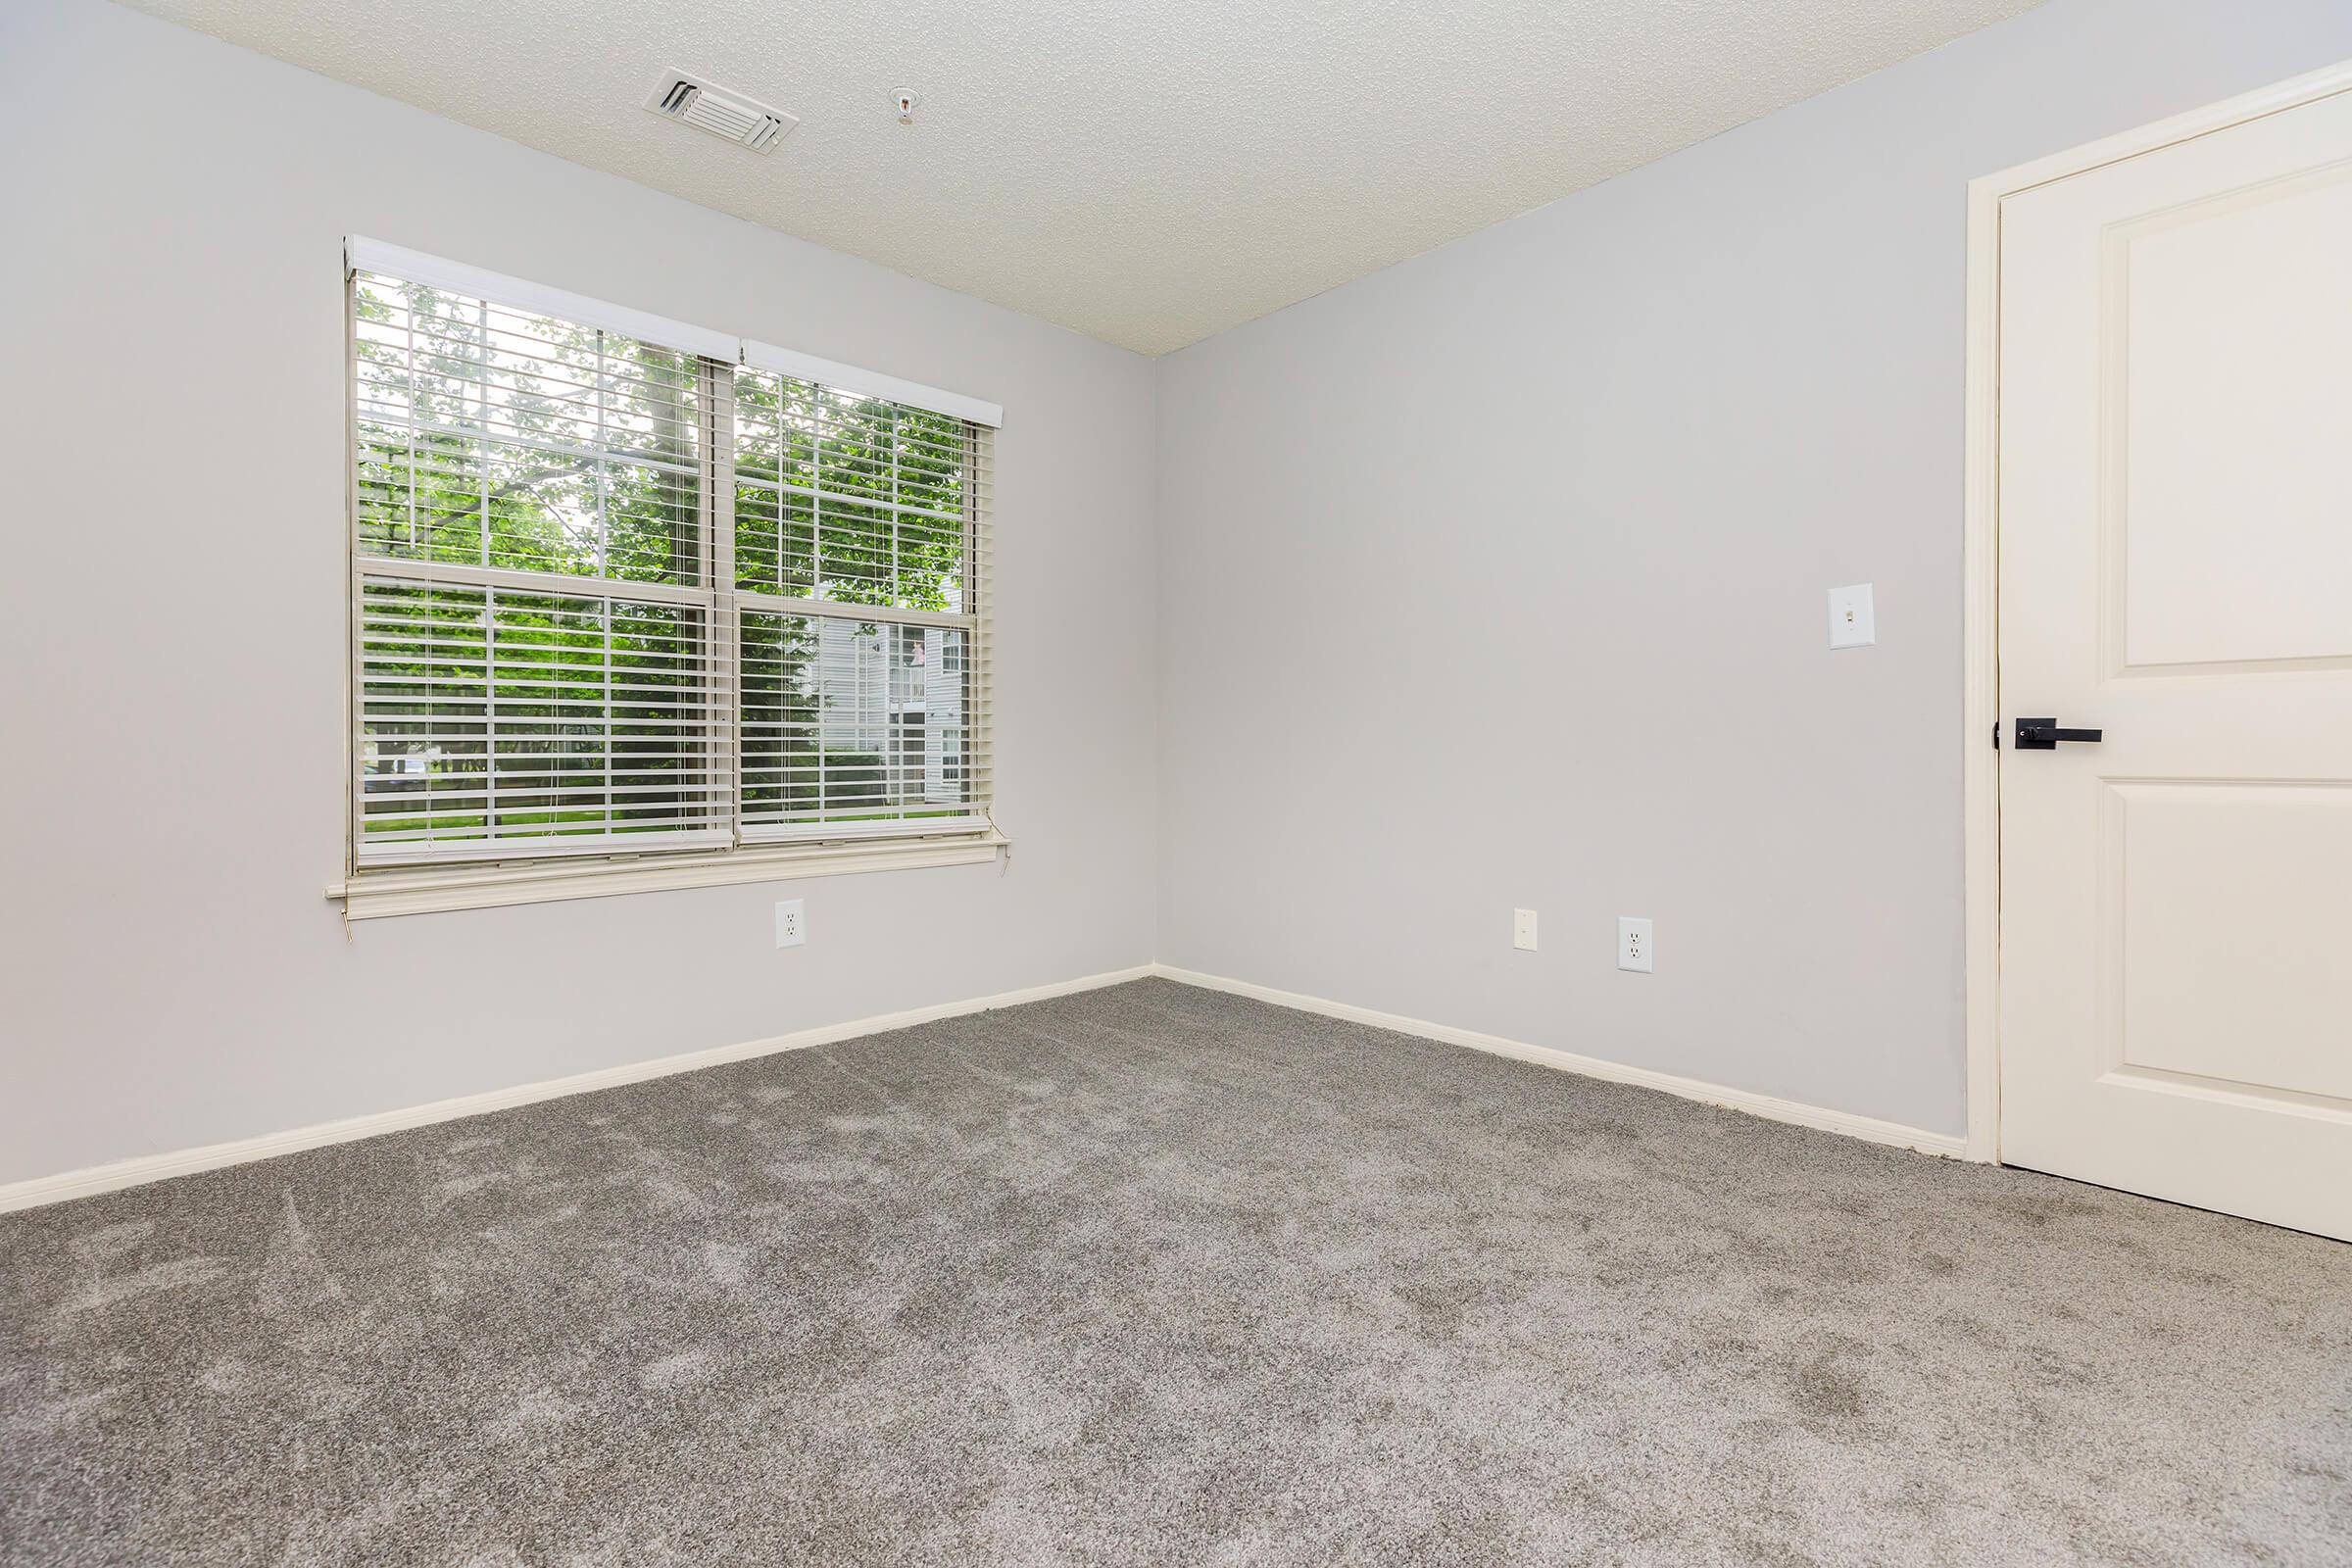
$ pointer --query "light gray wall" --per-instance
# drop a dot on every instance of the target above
(171, 435)
(1497, 579)
(1492, 580)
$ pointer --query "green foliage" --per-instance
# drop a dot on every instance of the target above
(850, 500)
(496, 439)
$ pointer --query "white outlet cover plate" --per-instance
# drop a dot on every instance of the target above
(1637, 948)
(1853, 624)
(1523, 930)
(792, 923)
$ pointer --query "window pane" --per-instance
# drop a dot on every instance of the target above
(775, 541)
(493, 437)
(850, 498)
(491, 716)
(848, 721)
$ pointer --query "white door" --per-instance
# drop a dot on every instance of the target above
(2175, 571)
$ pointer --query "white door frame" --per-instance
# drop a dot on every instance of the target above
(1980, 551)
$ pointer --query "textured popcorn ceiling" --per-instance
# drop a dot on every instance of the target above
(1147, 171)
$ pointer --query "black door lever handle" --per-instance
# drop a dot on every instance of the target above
(2044, 734)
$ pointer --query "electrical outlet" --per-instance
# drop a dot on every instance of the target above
(792, 928)
(1636, 948)
(1523, 930)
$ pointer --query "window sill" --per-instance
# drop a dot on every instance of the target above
(427, 890)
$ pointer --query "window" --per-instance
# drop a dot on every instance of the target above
(624, 588)
(854, 600)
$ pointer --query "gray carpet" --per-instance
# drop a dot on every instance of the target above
(1154, 1275)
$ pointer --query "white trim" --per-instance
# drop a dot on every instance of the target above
(1981, 545)
(1980, 681)
(832, 373)
(434, 272)
(849, 609)
(2292, 93)
(547, 584)
(213, 1157)
(845, 833)
(429, 890)
(387, 855)
(137, 1172)
(1769, 1106)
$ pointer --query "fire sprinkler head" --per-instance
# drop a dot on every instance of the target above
(903, 99)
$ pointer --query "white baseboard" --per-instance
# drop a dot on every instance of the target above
(1951, 1146)
(156, 1168)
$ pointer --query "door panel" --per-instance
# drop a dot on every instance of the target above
(2233, 965)
(2237, 410)
(2176, 549)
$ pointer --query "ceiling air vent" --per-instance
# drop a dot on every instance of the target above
(728, 115)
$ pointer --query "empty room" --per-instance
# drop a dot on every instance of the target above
(1539, 782)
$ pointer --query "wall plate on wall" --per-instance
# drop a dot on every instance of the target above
(1852, 622)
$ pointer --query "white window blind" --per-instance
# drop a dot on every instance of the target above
(616, 597)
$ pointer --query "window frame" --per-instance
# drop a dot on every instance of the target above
(536, 870)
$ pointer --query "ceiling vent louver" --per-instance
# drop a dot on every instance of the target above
(728, 115)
